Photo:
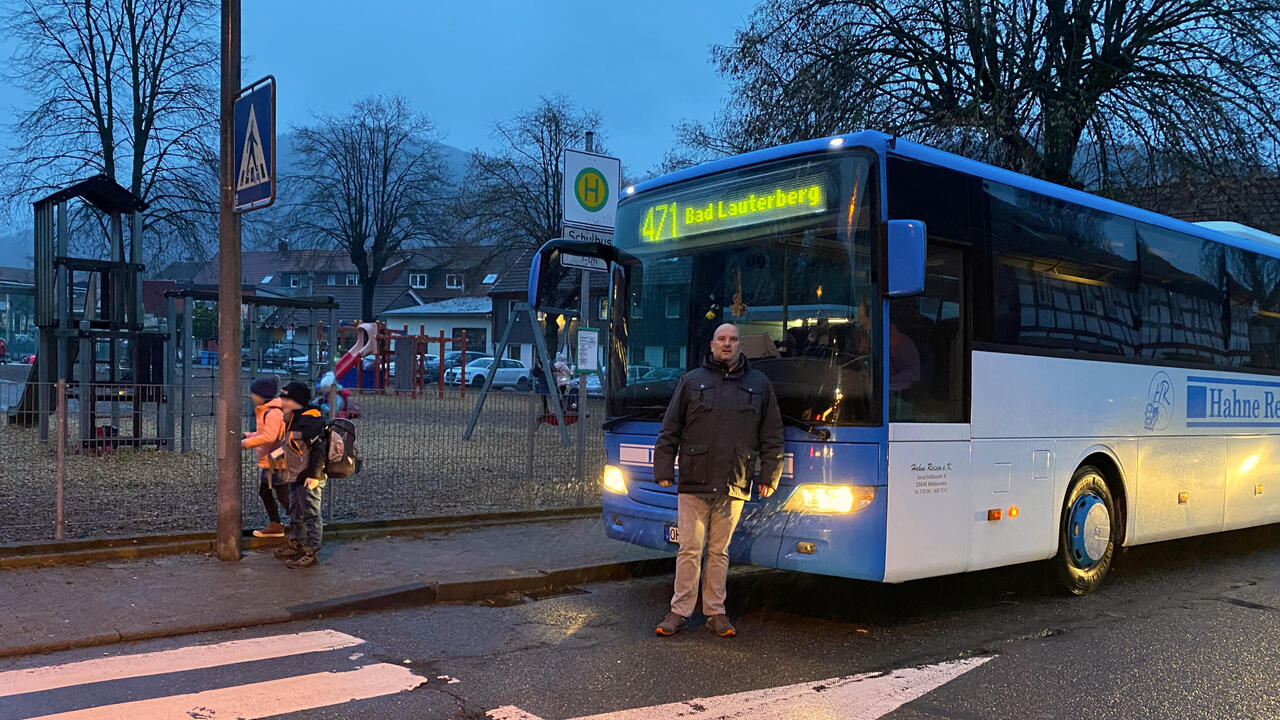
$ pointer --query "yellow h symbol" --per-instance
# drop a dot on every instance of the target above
(591, 189)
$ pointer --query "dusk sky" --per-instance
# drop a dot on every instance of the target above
(643, 66)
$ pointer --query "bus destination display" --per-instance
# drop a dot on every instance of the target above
(727, 205)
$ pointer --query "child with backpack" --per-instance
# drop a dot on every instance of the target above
(266, 439)
(305, 455)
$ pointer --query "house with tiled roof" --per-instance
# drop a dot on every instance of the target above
(453, 301)
(413, 277)
(512, 289)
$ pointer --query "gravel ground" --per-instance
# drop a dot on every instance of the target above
(416, 464)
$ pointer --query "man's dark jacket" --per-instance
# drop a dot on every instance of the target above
(720, 420)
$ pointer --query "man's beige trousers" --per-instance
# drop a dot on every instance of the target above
(703, 525)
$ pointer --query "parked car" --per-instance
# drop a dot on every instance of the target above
(660, 374)
(635, 372)
(509, 373)
(453, 359)
(595, 385)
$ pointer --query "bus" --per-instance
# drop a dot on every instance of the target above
(975, 368)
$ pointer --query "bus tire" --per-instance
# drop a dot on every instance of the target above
(1087, 533)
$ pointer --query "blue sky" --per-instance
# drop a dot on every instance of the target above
(644, 66)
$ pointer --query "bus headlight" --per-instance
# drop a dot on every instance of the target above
(613, 480)
(818, 498)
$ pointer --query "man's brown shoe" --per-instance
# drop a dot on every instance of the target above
(272, 530)
(720, 625)
(670, 625)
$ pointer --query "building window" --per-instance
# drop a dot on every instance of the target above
(295, 280)
(353, 279)
(332, 279)
(673, 306)
(417, 281)
(453, 281)
(490, 279)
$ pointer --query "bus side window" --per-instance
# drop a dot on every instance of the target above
(927, 369)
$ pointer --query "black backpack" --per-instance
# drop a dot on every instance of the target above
(341, 459)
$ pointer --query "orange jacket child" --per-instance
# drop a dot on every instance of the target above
(268, 434)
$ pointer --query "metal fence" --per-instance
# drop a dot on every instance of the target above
(134, 471)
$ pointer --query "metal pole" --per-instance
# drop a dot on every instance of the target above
(165, 394)
(88, 392)
(62, 458)
(190, 348)
(585, 302)
(229, 301)
(583, 313)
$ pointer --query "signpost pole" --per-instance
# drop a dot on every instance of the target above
(229, 300)
(583, 310)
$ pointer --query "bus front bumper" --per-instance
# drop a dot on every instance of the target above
(851, 545)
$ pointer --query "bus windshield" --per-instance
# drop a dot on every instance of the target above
(783, 251)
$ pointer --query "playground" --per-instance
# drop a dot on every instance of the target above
(415, 464)
(111, 430)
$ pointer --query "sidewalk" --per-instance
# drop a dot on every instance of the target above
(43, 609)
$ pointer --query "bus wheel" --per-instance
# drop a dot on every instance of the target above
(1086, 541)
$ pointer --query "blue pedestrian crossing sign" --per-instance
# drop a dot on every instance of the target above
(254, 143)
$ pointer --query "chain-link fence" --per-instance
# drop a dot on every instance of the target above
(145, 461)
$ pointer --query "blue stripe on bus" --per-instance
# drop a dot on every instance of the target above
(1228, 381)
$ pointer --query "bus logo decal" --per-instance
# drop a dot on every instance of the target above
(1159, 402)
(1230, 402)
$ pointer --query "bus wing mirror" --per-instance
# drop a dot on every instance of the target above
(906, 254)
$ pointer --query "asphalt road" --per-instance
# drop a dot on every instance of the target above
(1189, 629)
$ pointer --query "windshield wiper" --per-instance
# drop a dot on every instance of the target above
(812, 428)
(643, 412)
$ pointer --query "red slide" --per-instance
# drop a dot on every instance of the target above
(366, 343)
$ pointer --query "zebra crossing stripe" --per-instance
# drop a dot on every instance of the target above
(194, 657)
(855, 697)
(263, 699)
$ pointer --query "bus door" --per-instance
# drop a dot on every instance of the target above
(928, 408)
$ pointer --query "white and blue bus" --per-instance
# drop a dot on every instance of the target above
(975, 368)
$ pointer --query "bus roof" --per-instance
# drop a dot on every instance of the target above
(884, 144)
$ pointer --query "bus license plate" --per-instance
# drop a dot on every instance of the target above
(673, 534)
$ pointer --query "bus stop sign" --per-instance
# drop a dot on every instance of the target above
(254, 142)
(590, 191)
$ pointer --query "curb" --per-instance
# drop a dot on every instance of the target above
(65, 552)
(399, 597)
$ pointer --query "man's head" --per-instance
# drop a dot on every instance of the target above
(726, 344)
(294, 396)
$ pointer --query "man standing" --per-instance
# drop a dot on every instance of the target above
(722, 417)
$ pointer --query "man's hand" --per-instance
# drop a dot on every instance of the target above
(765, 490)
(311, 483)
(664, 483)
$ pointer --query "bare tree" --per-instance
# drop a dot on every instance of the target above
(374, 182)
(127, 88)
(513, 196)
(1085, 92)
